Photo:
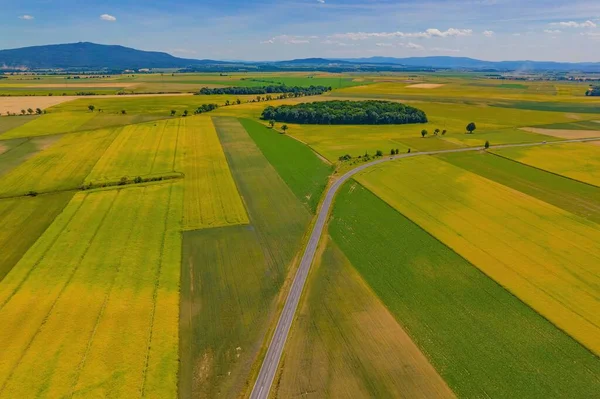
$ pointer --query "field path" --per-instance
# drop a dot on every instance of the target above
(265, 378)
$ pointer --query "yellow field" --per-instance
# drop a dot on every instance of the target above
(346, 343)
(578, 161)
(139, 150)
(84, 324)
(52, 123)
(63, 166)
(211, 198)
(547, 257)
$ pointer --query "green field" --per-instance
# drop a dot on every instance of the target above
(296, 163)
(570, 195)
(92, 325)
(8, 123)
(233, 274)
(480, 338)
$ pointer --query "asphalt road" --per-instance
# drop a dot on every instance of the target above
(265, 378)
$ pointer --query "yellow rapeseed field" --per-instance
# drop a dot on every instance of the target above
(211, 198)
(76, 322)
(546, 256)
(579, 161)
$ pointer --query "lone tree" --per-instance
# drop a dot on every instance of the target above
(379, 153)
(123, 112)
(91, 108)
(173, 112)
(444, 132)
(185, 113)
(38, 111)
(423, 133)
(284, 128)
(272, 123)
(487, 144)
(436, 131)
(30, 111)
(471, 127)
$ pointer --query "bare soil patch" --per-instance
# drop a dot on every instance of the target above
(425, 86)
(3, 149)
(16, 104)
(595, 143)
(565, 134)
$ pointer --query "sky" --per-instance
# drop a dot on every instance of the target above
(541, 30)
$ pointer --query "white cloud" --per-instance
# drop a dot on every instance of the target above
(288, 39)
(552, 31)
(108, 17)
(321, 1)
(26, 17)
(573, 24)
(413, 46)
(488, 33)
(429, 33)
(384, 44)
(445, 50)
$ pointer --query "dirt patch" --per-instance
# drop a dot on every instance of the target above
(16, 104)
(595, 143)
(573, 116)
(425, 86)
(81, 84)
(565, 134)
(3, 149)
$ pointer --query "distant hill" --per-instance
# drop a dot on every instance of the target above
(90, 56)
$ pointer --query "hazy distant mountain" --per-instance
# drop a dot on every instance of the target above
(90, 56)
(98, 56)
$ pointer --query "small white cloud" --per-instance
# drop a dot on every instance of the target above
(384, 44)
(516, 34)
(573, 24)
(321, 1)
(288, 39)
(413, 46)
(552, 31)
(488, 33)
(429, 33)
(26, 17)
(445, 50)
(108, 17)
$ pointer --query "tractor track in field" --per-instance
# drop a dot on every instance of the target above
(268, 370)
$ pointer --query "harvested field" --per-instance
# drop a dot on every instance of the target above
(15, 104)
(481, 339)
(90, 325)
(232, 275)
(565, 134)
(547, 257)
(211, 197)
(425, 86)
(345, 343)
(23, 221)
(63, 166)
(578, 161)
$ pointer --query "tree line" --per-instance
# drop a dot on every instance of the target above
(346, 113)
(296, 91)
(594, 91)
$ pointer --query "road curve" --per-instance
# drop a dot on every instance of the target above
(265, 378)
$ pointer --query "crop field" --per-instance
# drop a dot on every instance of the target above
(66, 298)
(546, 256)
(578, 198)
(23, 220)
(8, 123)
(52, 123)
(577, 161)
(14, 152)
(296, 163)
(211, 198)
(347, 344)
(481, 339)
(62, 166)
(232, 275)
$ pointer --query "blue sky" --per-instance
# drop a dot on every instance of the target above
(556, 30)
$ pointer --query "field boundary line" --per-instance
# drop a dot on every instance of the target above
(89, 244)
(268, 370)
(158, 274)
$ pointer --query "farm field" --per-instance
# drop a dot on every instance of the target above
(573, 196)
(481, 339)
(14, 152)
(66, 299)
(52, 123)
(62, 166)
(23, 221)
(546, 256)
(232, 275)
(7, 123)
(296, 163)
(577, 161)
(347, 344)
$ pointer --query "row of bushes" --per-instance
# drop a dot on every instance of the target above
(306, 91)
(346, 113)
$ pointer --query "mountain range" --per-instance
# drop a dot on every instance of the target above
(90, 56)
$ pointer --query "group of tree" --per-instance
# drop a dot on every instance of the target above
(295, 91)
(424, 132)
(29, 111)
(346, 113)
(205, 108)
(594, 91)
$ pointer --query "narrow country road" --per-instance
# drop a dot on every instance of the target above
(265, 378)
